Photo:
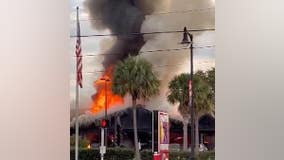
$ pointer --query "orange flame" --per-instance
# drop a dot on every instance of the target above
(104, 91)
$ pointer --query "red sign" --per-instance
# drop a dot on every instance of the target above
(163, 135)
(190, 92)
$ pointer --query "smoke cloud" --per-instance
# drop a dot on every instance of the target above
(128, 16)
(121, 17)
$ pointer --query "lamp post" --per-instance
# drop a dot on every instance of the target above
(188, 40)
(106, 80)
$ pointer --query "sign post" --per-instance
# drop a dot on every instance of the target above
(161, 135)
(102, 147)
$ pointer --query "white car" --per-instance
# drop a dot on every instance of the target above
(202, 148)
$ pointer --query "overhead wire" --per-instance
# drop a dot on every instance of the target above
(147, 33)
(160, 13)
(143, 33)
(148, 51)
(154, 66)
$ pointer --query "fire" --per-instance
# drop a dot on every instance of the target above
(104, 91)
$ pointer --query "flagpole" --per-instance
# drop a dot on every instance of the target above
(77, 99)
(77, 125)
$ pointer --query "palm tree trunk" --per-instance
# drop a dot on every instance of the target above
(137, 155)
(119, 130)
(115, 130)
(185, 141)
(196, 136)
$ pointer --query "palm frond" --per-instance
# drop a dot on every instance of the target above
(178, 93)
(135, 76)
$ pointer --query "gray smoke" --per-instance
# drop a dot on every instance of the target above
(121, 17)
(128, 16)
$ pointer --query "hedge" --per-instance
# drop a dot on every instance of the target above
(111, 154)
(83, 142)
(180, 155)
(126, 154)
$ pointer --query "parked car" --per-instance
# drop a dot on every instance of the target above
(202, 148)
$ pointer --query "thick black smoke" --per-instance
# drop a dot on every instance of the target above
(122, 17)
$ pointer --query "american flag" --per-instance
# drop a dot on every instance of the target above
(78, 53)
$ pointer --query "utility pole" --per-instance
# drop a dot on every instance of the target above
(102, 148)
(104, 122)
(193, 147)
(106, 80)
(186, 41)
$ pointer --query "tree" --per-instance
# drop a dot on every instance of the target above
(135, 76)
(178, 93)
(203, 99)
(83, 142)
(210, 78)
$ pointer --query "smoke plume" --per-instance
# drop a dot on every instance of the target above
(121, 17)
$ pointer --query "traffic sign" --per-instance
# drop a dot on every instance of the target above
(102, 149)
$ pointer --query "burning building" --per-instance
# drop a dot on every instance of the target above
(120, 131)
(124, 18)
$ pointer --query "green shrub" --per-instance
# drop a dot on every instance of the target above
(126, 154)
(179, 155)
(83, 142)
(146, 155)
(182, 155)
(119, 154)
(111, 154)
(207, 156)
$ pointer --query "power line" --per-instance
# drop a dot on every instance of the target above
(175, 49)
(168, 65)
(143, 33)
(160, 13)
(185, 11)
(154, 66)
(94, 72)
(150, 51)
(157, 66)
(147, 51)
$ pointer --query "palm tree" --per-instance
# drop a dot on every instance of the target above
(178, 93)
(211, 78)
(203, 99)
(135, 76)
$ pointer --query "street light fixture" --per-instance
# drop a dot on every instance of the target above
(185, 39)
(188, 40)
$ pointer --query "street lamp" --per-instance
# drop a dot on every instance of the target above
(188, 40)
(106, 80)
